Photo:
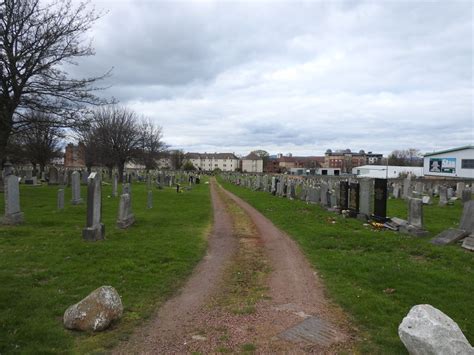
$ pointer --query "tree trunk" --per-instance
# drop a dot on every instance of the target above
(121, 168)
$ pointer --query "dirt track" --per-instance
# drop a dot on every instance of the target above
(191, 322)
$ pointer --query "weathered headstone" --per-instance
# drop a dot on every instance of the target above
(149, 200)
(460, 186)
(324, 194)
(466, 195)
(60, 202)
(13, 214)
(366, 192)
(76, 188)
(415, 212)
(468, 243)
(426, 200)
(467, 218)
(354, 198)
(443, 196)
(449, 236)
(114, 185)
(29, 177)
(396, 191)
(125, 216)
(344, 195)
(53, 175)
(94, 230)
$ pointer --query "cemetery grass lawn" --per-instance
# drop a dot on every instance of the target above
(377, 276)
(45, 266)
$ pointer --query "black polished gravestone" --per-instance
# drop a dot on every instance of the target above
(380, 200)
(344, 195)
(354, 198)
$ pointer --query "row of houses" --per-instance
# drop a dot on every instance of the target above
(456, 162)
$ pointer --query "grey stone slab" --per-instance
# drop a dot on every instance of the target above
(149, 203)
(76, 188)
(60, 199)
(468, 243)
(13, 214)
(415, 212)
(449, 236)
(125, 216)
(312, 330)
(467, 218)
(95, 230)
(426, 200)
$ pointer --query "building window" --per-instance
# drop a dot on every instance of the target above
(467, 163)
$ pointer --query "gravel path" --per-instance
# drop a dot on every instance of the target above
(191, 321)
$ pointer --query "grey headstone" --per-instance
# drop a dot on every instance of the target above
(426, 200)
(125, 216)
(60, 202)
(324, 194)
(415, 212)
(468, 243)
(449, 236)
(76, 188)
(366, 196)
(466, 195)
(53, 175)
(467, 218)
(13, 214)
(443, 196)
(94, 230)
(149, 203)
(450, 192)
(460, 186)
(114, 185)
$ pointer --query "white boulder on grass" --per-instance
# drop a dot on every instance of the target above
(428, 331)
(95, 312)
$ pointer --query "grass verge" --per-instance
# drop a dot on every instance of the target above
(45, 266)
(377, 276)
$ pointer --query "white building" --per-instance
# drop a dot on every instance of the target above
(456, 162)
(252, 163)
(209, 161)
(383, 171)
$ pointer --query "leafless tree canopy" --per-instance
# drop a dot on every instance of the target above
(40, 142)
(117, 135)
(36, 41)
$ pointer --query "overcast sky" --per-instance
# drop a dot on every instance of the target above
(297, 77)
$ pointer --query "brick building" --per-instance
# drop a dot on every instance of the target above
(74, 157)
(346, 159)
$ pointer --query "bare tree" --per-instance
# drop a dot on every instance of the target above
(152, 146)
(36, 41)
(116, 133)
(39, 142)
(408, 157)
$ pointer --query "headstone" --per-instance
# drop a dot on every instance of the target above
(60, 199)
(468, 243)
(126, 189)
(125, 216)
(467, 218)
(94, 230)
(324, 194)
(449, 236)
(292, 194)
(380, 199)
(150, 199)
(114, 185)
(29, 177)
(415, 212)
(76, 188)
(344, 195)
(460, 186)
(354, 198)
(366, 193)
(407, 188)
(450, 192)
(443, 196)
(13, 215)
(84, 176)
(466, 195)
(426, 200)
(53, 175)
(396, 191)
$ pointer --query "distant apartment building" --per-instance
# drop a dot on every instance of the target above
(252, 163)
(282, 164)
(74, 157)
(211, 161)
(346, 160)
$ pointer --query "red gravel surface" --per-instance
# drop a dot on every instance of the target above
(192, 322)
